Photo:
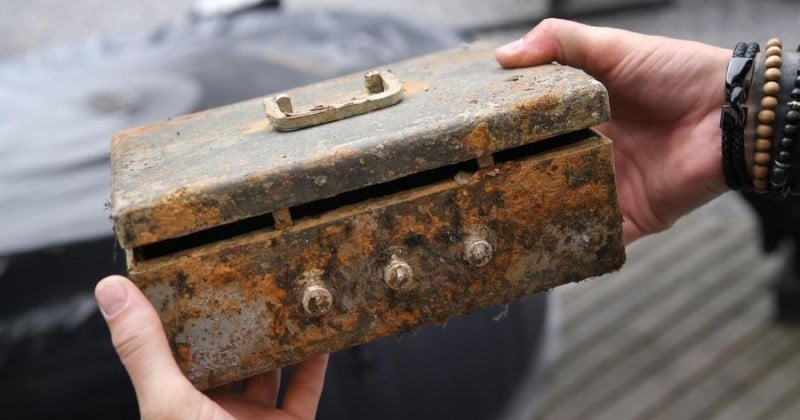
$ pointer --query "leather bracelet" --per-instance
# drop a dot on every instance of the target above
(730, 118)
(733, 118)
(739, 161)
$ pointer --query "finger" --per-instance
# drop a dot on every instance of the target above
(139, 339)
(570, 43)
(264, 387)
(305, 388)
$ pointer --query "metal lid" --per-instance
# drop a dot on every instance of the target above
(226, 164)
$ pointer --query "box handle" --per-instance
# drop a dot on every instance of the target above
(384, 90)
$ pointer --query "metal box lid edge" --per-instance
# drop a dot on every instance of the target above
(225, 164)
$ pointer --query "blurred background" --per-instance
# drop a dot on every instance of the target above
(698, 324)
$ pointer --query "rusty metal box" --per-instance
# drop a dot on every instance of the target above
(262, 242)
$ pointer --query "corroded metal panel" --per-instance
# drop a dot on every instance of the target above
(262, 248)
(235, 308)
(222, 165)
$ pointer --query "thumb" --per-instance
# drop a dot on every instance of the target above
(139, 339)
(574, 44)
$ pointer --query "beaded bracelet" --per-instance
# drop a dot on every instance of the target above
(733, 117)
(762, 147)
(782, 156)
(794, 96)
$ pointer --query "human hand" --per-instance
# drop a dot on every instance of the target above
(665, 96)
(164, 392)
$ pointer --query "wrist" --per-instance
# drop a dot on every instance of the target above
(771, 140)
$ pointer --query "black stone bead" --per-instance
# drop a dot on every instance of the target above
(790, 130)
(787, 143)
(779, 176)
(784, 157)
(793, 116)
(797, 81)
(795, 94)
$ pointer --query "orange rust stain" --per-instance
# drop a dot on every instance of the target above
(177, 213)
(397, 319)
(480, 141)
(348, 322)
(476, 287)
(146, 237)
(314, 333)
(540, 103)
(184, 357)
(312, 256)
(267, 288)
(333, 230)
(215, 275)
(280, 321)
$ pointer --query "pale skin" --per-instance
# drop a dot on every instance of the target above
(665, 97)
(163, 392)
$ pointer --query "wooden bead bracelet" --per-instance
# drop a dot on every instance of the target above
(762, 148)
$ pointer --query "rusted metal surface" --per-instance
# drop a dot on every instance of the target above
(218, 166)
(383, 89)
(260, 249)
(236, 308)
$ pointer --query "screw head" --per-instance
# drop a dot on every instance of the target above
(398, 274)
(317, 300)
(478, 252)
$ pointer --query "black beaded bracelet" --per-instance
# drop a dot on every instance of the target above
(781, 169)
(794, 172)
(733, 118)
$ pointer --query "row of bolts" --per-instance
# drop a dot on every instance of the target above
(398, 275)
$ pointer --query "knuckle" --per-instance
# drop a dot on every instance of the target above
(549, 25)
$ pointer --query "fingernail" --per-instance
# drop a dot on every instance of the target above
(511, 47)
(111, 296)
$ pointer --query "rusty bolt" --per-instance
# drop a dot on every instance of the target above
(478, 251)
(398, 274)
(317, 300)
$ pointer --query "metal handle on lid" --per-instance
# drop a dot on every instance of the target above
(384, 90)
